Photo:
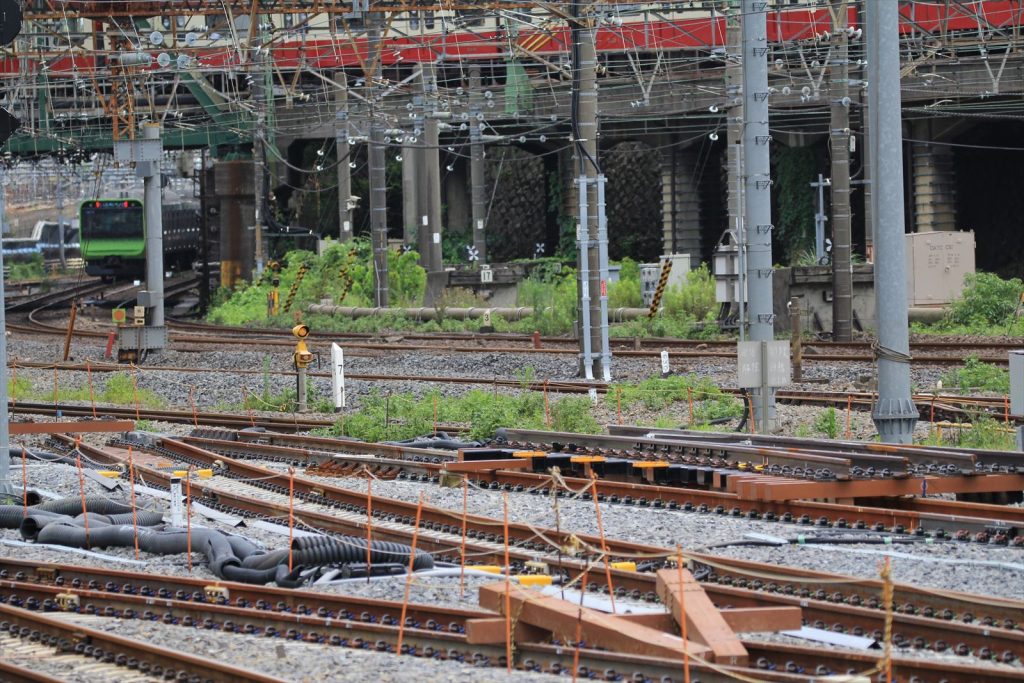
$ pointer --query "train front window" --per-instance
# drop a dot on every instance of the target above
(104, 222)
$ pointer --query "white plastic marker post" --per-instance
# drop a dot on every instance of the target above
(338, 376)
(177, 513)
(665, 369)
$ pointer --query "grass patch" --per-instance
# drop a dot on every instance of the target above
(827, 423)
(989, 305)
(977, 375)
(33, 269)
(985, 434)
(658, 393)
(118, 389)
(395, 417)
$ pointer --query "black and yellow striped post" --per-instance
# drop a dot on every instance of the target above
(666, 269)
(345, 276)
(301, 273)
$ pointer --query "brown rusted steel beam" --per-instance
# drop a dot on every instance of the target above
(763, 619)
(71, 427)
(774, 489)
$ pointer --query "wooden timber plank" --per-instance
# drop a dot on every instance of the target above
(704, 623)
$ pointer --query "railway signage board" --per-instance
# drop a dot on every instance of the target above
(338, 376)
(763, 364)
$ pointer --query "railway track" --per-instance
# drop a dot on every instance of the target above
(933, 407)
(839, 606)
(192, 336)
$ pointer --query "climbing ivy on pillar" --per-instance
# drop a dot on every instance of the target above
(795, 169)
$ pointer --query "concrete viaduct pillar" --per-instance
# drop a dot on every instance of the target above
(680, 204)
(934, 181)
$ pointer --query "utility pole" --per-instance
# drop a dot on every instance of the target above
(154, 224)
(377, 169)
(894, 412)
(757, 190)
(431, 178)
(341, 148)
(595, 358)
(5, 437)
(478, 200)
(842, 266)
(258, 88)
(734, 150)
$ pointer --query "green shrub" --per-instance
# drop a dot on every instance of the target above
(658, 393)
(987, 302)
(827, 423)
(975, 374)
(248, 302)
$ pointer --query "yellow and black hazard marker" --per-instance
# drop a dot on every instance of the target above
(299, 274)
(345, 276)
(666, 268)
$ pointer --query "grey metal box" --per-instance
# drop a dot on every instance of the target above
(1017, 383)
(138, 338)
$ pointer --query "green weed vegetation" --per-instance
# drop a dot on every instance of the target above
(976, 375)
(118, 389)
(394, 417)
(687, 311)
(989, 305)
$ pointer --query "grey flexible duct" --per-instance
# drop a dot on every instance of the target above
(313, 551)
(73, 506)
(229, 557)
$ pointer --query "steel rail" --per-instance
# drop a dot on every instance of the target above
(74, 637)
(12, 673)
(1003, 611)
(932, 514)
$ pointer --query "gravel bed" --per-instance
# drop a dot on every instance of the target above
(307, 663)
(927, 567)
(947, 657)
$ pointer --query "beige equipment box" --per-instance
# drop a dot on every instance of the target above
(937, 263)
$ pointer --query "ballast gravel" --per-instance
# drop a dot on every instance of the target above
(298, 662)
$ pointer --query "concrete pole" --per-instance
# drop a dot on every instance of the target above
(586, 134)
(894, 413)
(431, 172)
(734, 149)
(839, 91)
(377, 167)
(154, 232)
(865, 129)
(344, 172)
(258, 89)
(5, 438)
(477, 188)
(378, 212)
(418, 176)
(757, 190)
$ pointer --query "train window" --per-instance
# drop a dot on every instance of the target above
(289, 20)
(414, 21)
(180, 21)
(428, 20)
(166, 21)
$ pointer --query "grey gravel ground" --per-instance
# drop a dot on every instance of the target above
(225, 391)
(307, 663)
